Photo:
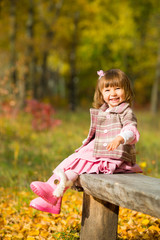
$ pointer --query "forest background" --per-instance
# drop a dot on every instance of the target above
(50, 51)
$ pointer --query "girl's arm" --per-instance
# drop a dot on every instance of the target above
(128, 136)
(125, 137)
(129, 133)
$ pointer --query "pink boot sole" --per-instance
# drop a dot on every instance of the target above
(40, 204)
(45, 191)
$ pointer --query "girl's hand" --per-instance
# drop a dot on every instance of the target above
(115, 143)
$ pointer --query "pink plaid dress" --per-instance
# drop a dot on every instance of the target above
(84, 162)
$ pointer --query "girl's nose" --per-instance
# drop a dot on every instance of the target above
(113, 92)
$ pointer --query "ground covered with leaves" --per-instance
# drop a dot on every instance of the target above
(19, 221)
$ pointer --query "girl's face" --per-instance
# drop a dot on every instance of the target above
(113, 96)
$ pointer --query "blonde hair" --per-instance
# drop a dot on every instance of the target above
(113, 78)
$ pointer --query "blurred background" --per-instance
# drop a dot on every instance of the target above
(50, 51)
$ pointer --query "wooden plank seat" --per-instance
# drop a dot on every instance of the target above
(103, 194)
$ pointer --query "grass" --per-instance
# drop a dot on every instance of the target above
(148, 150)
(27, 155)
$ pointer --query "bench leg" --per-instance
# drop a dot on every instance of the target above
(99, 219)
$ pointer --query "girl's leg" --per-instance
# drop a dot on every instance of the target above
(51, 190)
(56, 185)
(71, 175)
(42, 205)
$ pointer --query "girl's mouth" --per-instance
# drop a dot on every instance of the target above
(114, 99)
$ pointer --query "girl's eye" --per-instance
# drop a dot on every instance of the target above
(117, 88)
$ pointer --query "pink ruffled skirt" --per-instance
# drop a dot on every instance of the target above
(84, 162)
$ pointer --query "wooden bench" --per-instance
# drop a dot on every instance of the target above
(103, 194)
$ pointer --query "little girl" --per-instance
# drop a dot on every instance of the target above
(109, 147)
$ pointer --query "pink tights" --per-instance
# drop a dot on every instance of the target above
(71, 175)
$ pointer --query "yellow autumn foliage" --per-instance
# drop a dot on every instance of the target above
(19, 221)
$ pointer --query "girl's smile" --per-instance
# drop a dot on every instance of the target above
(113, 96)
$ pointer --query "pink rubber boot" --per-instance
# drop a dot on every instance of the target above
(42, 205)
(54, 188)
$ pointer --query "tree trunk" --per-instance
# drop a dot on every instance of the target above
(43, 80)
(43, 87)
(13, 27)
(155, 88)
(30, 48)
(22, 93)
(73, 72)
(72, 83)
(34, 79)
(29, 77)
